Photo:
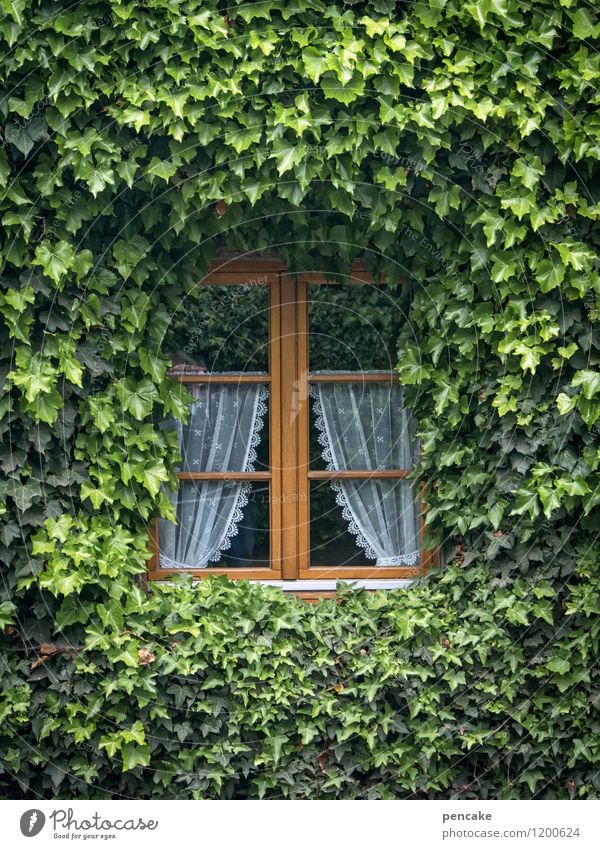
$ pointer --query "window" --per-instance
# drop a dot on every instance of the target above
(296, 457)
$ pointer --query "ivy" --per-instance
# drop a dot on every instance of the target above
(454, 147)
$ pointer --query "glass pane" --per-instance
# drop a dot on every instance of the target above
(354, 327)
(219, 524)
(227, 430)
(361, 425)
(331, 544)
(225, 328)
(366, 522)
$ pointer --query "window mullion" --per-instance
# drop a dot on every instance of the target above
(291, 410)
(303, 427)
(275, 460)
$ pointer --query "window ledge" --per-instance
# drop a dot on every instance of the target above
(329, 586)
(305, 586)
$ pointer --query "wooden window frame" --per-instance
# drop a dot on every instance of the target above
(289, 474)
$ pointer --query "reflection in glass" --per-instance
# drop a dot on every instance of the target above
(226, 327)
(331, 543)
(361, 522)
(219, 523)
(354, 327)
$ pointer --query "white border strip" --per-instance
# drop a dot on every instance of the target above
(312, 586)
(324, 586)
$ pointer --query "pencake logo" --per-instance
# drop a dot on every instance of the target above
(32, 822)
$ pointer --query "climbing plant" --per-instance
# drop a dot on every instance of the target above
(450, 145)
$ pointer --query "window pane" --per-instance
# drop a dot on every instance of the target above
(331, 544)
(364, 522)
(354, 327)
(361, 425)
(224, 327)
(227, 430)
(219, 523)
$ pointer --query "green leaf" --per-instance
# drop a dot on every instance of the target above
(589, 381)
(526, 502)
(19, 298)
(98, 179)
(134, 756)
(315, 63)
(137, 398)
(529, 171)
(583, 24)
(565, 404)
(153, 476)
(549, 274)
(135, 116)
(559, 665)
(129, 252)
(344, 93)
(287, 154)
(575, 254)
(55, 259)
(162, 168)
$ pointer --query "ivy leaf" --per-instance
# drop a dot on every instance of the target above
(565, 404)
(98, 179)
(549, 274)
(532, 778)
(8, 612)
(287, 155)
(493, 224)
(529, 171)
(137, 398)
(20, 136)
(152, 476)
(559, 665)
(35, 374)
(162, 168)
(135, 116)
(550, 500)
(153, 365)
(589, 381)
(411, 367)
(19, 298)
(129, 252)
(315, 63)
(526, 502)
(343, 93)
(584, 27)
(575, 254)
(55, 259)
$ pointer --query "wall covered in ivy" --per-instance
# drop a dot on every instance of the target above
(453, 146)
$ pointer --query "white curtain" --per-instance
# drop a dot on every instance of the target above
(222, 435)
(365, 426)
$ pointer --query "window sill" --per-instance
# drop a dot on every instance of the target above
(316, 587)
(300, 586)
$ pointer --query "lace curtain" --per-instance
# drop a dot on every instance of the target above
(364, 426)
(222, 434)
